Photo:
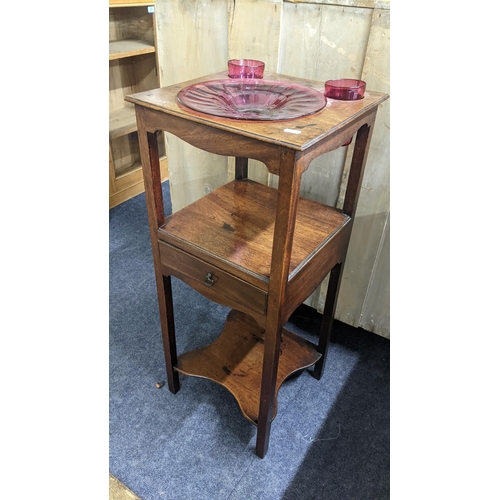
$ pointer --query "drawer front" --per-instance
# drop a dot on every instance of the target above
(210, 280)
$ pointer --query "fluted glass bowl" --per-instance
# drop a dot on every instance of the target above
(252, 99)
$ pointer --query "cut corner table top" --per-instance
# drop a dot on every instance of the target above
(298, 133)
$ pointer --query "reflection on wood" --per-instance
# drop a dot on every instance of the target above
(238, 237)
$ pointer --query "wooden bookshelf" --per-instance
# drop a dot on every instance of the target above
(133, 67)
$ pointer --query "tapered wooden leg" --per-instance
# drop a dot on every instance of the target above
(328, 318)
(148, 145)
(168, 334)
(358, 162)
(286, 211)
(272, 342)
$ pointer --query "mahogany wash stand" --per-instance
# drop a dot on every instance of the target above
(258, 250)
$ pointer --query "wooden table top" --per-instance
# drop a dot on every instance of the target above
(298, 133)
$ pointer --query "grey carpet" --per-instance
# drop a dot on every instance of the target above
(330, 439)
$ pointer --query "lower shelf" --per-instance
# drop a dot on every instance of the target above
(235, 359)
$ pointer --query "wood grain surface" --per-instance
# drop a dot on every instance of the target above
(234, 361)
(233, 227)
(311, 129)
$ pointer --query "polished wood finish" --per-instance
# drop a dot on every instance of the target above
(259, 250)
(234, 361)
(338, 121)
(211, 281)
(233, 227)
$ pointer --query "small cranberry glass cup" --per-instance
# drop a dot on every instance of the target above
(346, 89)
(245, 68)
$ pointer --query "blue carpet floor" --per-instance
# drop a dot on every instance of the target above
(330, 439)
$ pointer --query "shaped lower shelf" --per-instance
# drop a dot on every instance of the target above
(235, 359)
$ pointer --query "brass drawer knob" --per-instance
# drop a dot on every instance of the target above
(208, 279)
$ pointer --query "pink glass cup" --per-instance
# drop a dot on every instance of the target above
(346, 89)
(245, 68)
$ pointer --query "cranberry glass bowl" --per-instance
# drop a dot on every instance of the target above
(245, 68)
(346, 89)
(252, 99)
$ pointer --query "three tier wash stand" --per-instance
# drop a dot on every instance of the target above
(258, 250)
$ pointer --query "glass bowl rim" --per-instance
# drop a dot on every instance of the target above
(349, 83)
(253, 63)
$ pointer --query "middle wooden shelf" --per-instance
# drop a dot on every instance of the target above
(222, 244)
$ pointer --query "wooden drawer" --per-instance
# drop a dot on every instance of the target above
(211, 281)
